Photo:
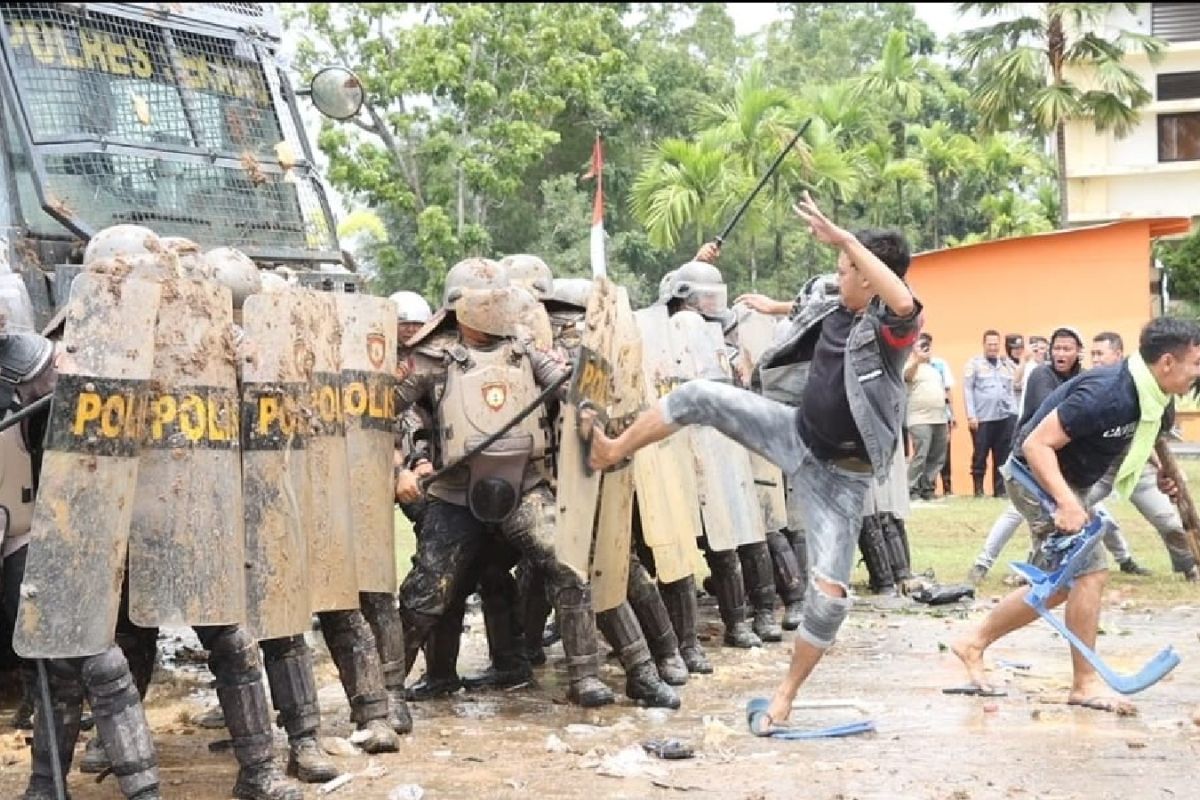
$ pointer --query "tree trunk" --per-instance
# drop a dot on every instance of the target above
(753, 266)
(937, 216)
(1060, 145)
(900, 203)
(778, 255)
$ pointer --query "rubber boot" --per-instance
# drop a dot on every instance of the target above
(66, 700)
(760, 586)
(789, 582)
(679, 598)
(289, 668)
(509, 665)
(577, 624)
(874, 553)
(121, 724)
(642, 682)
(730, 590)
(656, 626)
(352, 646)
(381, 613)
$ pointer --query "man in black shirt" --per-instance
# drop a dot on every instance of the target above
(1091, 430)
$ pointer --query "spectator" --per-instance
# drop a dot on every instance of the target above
(991, 411)
(928, 418)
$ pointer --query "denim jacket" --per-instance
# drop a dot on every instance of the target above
(876, 350)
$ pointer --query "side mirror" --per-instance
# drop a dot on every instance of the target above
(337, 93)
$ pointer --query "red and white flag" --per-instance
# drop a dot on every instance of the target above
(599, 266)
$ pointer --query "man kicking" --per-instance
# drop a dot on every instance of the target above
(832, 423)
(1096, 428)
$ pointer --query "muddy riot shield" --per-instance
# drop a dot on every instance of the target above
(664, 474)
(755, 333)
(610, 560)
(78, 541)
(274, 367)
(728, 503)
(332, 562)
(368, 372)
(186, 538)
(578, 488)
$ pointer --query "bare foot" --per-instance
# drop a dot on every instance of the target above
(971, 655)
(779, 710)
(1097, 696)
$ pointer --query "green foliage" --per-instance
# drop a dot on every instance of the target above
(1182, 261)
(481, 120)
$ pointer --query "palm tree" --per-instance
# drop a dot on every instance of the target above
(681, 184)
(1023, 61)
(947, 156)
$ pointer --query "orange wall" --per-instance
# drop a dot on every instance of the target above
(1092, 279)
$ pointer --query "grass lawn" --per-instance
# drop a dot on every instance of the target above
(946, 535)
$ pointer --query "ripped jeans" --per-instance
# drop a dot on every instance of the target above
(829, 498)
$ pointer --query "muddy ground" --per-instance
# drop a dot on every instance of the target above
(529, 744)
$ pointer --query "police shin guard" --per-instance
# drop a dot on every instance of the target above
(874, 552)
(679, 598)
(352, 647)
(896, 538)
(441, 657)
(140, 646)
(577, 622)
(510, 665)
(244, 703)
(731, 599)
(642, 682)
(533, 608)
(660, 636)
(383, 616)
(759, 578)
(60, 732)
(289, 667)
(22, 718)
(121, 724)
(789, 582)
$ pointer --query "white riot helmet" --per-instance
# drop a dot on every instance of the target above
(234, 269)
(411, 307)
(531, 273)
(273, 283)
(573, 292)
(472, 273)
(664, 288)
(121, 241)
(702, 288)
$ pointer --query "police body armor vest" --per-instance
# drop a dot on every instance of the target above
(483, 392)
(16, 487)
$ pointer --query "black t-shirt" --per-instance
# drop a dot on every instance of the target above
(1042, 382)
(1099, 410)
(825, 421)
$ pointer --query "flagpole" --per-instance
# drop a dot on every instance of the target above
(599, 262)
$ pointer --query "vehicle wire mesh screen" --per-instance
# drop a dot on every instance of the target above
(174, 129)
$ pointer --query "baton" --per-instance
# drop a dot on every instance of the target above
(720, 240)
(27, 411)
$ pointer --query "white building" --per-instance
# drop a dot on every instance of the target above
(1154, 171)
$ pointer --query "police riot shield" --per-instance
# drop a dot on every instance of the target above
(610, 561)
(80, 530)
(274, 368)
(332, 562)
(664, 475)
(578, 488)
(186, 538)
(755, 333)
(728, 504)
(368, 373)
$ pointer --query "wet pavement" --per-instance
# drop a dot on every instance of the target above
(527, 743)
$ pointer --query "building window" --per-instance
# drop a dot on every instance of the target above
(1175, 22)
(1179, 137)
(1178, 85)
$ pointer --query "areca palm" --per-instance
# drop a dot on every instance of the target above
(947, 156)
(1024, 59)
(682, 184)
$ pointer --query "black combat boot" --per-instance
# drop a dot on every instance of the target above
(652, 615)
(510, 664)
(896, 540)
(760, 586)
(679, 597)
(730, 590)
(642, 681)
(789, 582)
(577, 624)
(289, 668)
(352, 646)
(874, 553)
(441, 657)
(383, 616)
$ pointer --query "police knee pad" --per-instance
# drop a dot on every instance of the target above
(823, 616)
(106, 668)
(233, 657)
(423, 593)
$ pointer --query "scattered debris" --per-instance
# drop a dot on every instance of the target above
(407, 791)
(670, 749)
(337, 783)
(556, 745)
